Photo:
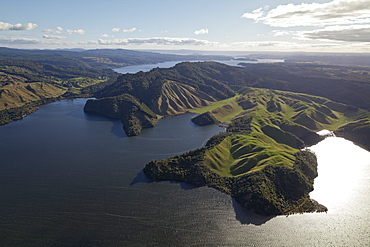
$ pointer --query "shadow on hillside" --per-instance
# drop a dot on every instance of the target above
(246, 217)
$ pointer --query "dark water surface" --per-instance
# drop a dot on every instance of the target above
(71, 179)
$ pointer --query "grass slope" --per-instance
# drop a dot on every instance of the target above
(15, 92)
(259, 159)
(279, 123)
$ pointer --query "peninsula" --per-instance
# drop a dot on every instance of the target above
(260, 159)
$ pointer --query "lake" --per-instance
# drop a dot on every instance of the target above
(72, 179)
(148, 67)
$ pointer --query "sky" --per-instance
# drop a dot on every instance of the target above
(212, 25)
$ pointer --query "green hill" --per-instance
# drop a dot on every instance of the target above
(168, 92)
(279, 124)
(259, 159)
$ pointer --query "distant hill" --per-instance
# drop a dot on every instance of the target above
(187, 86)
(99, 58)
(32, 77)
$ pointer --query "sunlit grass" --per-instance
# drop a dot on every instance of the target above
(267, 144)
(214, 106)
(240, 154)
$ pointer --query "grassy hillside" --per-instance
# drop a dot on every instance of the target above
(188, 86)
(259, 159)
(168, 92)
(177, 98)
(16, 92)
(239, 154)
(278, 123)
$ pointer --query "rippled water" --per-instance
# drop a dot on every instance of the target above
(71, 179)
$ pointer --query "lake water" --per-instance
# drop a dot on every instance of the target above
(72, 179)
(148, 67)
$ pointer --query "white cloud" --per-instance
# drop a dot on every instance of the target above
(115, 29)
(336, 12)
(129, 30)
(11, 41)
(46, 36)
(104, 36)
(79, 31)
(283, 32)
(353, 33)
(48, 31)
(52, 31)
(17, 27)
(157, 41)
(201, 31)
(255, 14)
(59, 29)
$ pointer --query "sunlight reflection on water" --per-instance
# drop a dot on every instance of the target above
(341, 165)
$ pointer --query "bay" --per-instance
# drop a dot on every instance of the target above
(72, 179)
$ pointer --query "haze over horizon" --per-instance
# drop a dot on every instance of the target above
(213, 25)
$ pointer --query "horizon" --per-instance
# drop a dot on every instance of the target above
(202, 52)
(266, 26)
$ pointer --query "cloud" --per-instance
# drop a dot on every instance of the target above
(201, 31)
(283, 32)
(156, 41)
(336, 12)
(16, 27)
(104, 36)
(129, 30)
(115, 29)
(354, 33)
(20, 41)
(46, 36)
(79, 31)
(255, 14)
(58, 30)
